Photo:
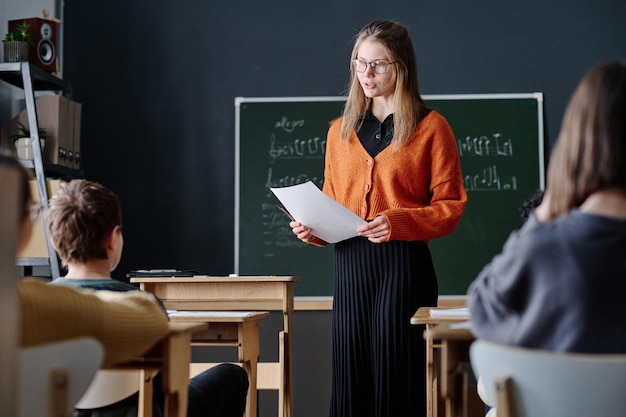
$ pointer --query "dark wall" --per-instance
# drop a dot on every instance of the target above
(158, 80)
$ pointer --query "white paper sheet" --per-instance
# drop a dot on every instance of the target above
(327, 219)
(209, 314)
(451, 312)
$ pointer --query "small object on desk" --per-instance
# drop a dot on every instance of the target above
(211, 314)
(161, 273)
(450, 312)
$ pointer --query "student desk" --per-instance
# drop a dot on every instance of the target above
(273, 293)
(171, 356)
(446, 347)
(226, 328)
(454, 340)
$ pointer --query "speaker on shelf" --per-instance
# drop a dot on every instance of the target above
(43, 51)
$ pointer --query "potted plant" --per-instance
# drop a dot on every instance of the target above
(22, 140)
(16, 43)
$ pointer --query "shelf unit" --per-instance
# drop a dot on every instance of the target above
(31, 78)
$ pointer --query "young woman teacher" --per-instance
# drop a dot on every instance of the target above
(394, 162)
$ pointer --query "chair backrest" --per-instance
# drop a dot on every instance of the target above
(110, 386)
(537, 383)
(53, 377)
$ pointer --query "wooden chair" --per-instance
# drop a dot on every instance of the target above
(53, 377)
(535, 383)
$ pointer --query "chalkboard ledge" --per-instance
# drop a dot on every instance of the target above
(312, 303)
(326, 303)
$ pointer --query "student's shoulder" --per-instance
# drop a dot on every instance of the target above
(116, 285)
(95, 284)
(536, 238)
(31, 285)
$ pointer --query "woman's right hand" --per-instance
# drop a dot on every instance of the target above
(302, 232)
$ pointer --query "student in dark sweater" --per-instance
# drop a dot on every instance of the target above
(85, 224)
(559, 282)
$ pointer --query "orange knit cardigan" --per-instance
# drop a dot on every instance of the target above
(419, 187)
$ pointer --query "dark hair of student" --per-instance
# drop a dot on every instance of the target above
(590, 153)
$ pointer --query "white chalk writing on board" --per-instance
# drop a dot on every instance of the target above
(490, 146)
(484, 145)
(489, 180)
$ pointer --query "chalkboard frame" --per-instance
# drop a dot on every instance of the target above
(239, 101)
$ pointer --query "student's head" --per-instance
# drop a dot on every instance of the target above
(85, 220)
(27, 208)
(590, 153)
(395, 76)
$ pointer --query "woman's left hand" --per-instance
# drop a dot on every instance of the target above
(376, 231)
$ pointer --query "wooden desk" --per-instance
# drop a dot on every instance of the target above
(454, 340)
(237, 329)
(422, 316)
(273, 293)
(171, 356)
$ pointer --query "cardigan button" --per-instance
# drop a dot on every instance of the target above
(363, 211)
(370, 162)
(367, 187)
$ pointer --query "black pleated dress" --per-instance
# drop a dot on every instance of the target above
(378, 356)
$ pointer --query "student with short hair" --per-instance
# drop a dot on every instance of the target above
(85, 224)
(53, 314)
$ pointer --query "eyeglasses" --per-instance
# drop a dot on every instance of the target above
(35, 211)
(379, 67)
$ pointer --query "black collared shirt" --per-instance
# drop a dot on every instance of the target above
(374, 135)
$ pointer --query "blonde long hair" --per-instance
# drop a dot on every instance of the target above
(408, 103)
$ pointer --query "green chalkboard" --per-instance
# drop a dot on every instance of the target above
(281, 142)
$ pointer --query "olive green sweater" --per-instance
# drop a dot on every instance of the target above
(126, 323)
